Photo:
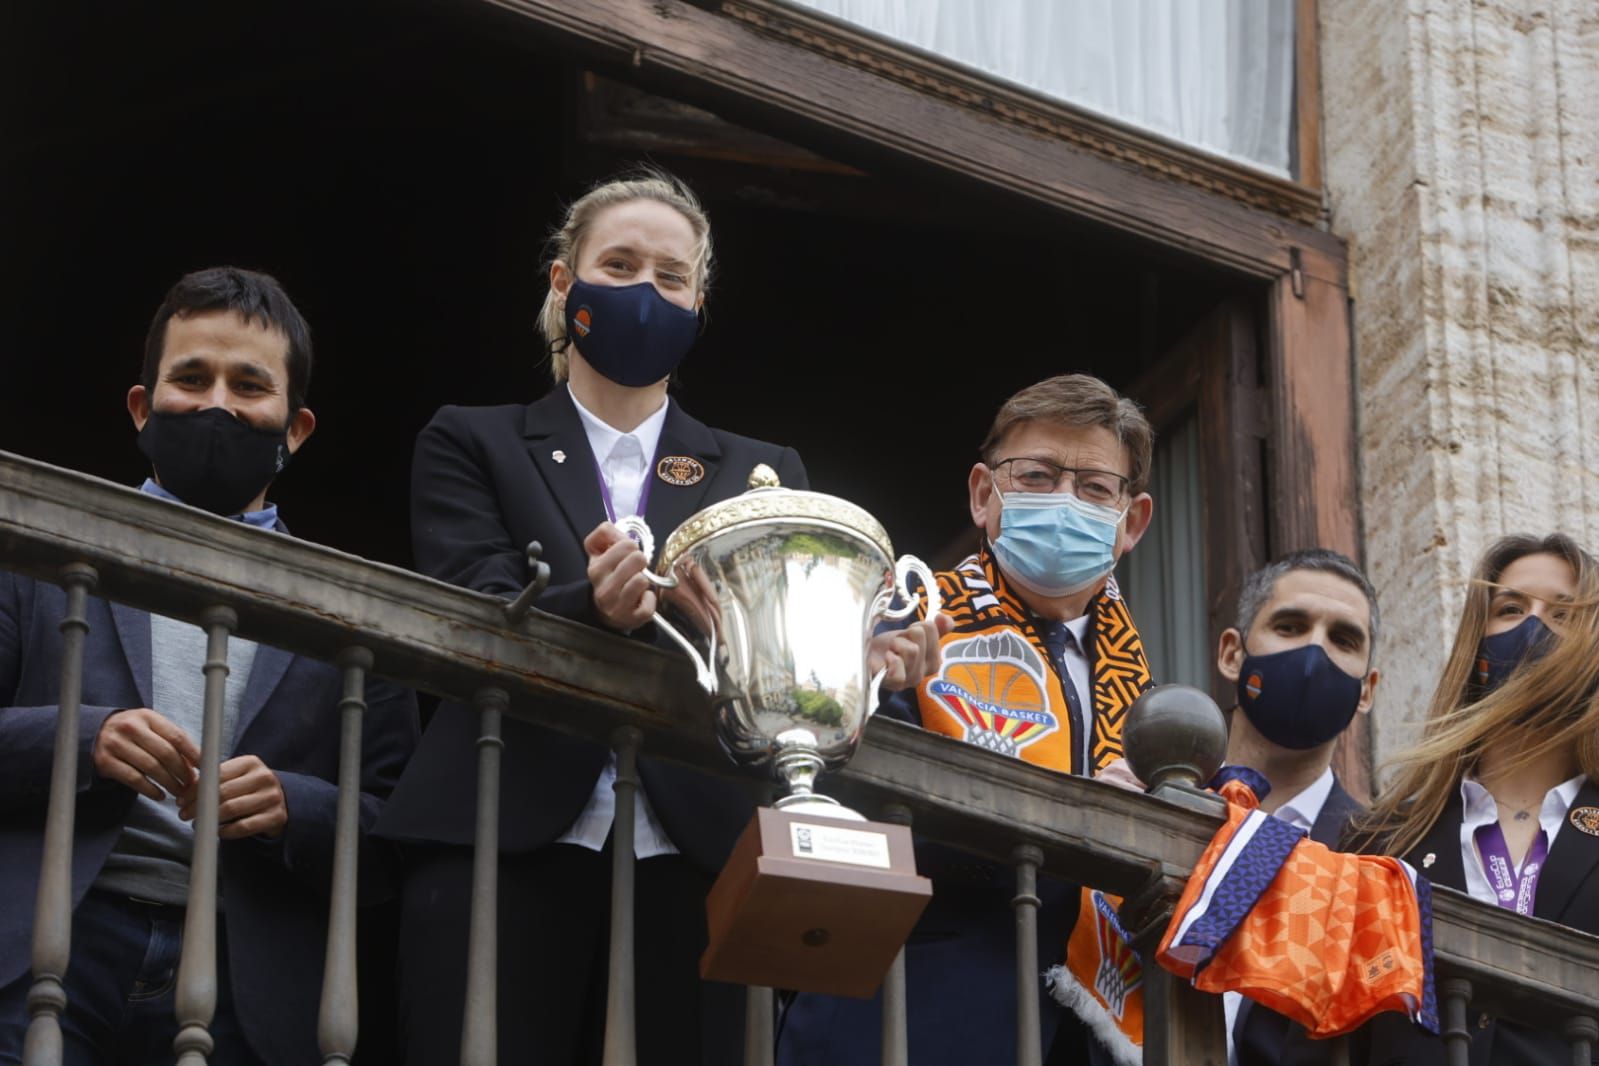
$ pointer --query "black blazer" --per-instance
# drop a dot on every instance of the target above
(275, 893)
(1262, 1037)
(485, 482)
(1568, 893)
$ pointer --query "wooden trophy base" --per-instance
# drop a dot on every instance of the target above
(813, 903)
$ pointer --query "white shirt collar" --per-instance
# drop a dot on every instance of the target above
(1302, 810)
(603, 437)
(1478, 807)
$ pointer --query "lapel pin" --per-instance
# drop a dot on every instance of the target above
(1586, 819)
(1428, 859)
(680, 470)
(558, 455)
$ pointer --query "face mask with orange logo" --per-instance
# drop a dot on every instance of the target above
(629, 333)
(1499, 655)
(1297, 698)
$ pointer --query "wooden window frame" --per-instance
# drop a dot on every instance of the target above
(1298, 197)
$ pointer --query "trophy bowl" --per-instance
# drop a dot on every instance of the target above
(786, 586)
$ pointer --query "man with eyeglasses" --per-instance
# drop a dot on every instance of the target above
(1041, 664)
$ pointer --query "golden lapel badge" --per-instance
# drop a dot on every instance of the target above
(1586, 819)
(680, 470)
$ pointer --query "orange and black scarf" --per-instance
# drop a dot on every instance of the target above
(997, 686)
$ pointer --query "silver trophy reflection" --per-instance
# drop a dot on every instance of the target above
(787, 586)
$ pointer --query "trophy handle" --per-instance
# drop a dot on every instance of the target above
(635, 526)
(882, 607)
(704, 669)
(704, 672)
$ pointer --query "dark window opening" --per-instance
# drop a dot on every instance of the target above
(397, 166)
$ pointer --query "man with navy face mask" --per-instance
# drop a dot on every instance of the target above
(1301, 660)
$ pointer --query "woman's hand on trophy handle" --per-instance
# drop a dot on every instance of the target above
(639, 530)
(623, 597)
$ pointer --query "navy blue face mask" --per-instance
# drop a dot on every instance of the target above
(1297, 698)
(629, 333)
(1499, 655)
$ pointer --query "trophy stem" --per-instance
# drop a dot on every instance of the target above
(796, 765)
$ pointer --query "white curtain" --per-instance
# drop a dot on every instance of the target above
(1163, 578)
(1217, 74)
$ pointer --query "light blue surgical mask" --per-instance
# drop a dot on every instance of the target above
(1054, 544)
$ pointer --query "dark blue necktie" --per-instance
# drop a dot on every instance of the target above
(1056, 639)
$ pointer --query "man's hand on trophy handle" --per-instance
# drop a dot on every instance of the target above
(908, 656)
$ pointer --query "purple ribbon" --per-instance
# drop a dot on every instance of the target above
(1514, 889)
(644, 493)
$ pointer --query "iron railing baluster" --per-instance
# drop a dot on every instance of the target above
(197, 967)
(1582, 1033)
(338, 1024)
(758, 1035)
(896, 1043)
(479, 1028)
(1181, 1023)
(1029, 1039)
(621, 1047)
(52, 927)
(1454, 993)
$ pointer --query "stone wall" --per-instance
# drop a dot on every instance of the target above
(1462, 163)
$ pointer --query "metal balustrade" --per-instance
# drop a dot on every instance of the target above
(91, 536)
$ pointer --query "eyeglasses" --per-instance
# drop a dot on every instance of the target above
(1102, 487)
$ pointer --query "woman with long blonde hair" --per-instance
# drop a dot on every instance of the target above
(1499, 798)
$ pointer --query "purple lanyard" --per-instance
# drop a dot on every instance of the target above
(605, 489)
(1514, 889)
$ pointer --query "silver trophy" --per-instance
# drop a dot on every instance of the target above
(787, 587)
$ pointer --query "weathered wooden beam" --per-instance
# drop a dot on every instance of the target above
(1307, 92)
(1232, 436)
(788, 71)
(1537, 972)
(1315, 489)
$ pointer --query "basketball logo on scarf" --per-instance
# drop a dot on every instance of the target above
(1102, 980)
(1118, 973)
(995, 687)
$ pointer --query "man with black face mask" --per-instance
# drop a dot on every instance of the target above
(220, 408)
(1301, 660)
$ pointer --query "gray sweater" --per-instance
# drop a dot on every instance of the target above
(151, 858)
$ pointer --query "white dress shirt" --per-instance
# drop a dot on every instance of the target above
(1076, 658)
(1478, 809)
(1301, 812)
(624, 460)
